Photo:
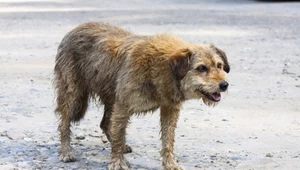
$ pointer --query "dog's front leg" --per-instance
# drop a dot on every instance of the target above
(119, 120)
(168, 118)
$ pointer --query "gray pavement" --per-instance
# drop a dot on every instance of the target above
(256, 125)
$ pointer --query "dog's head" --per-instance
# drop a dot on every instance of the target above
(200, 71)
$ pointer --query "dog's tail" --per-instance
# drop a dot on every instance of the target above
(71, 94)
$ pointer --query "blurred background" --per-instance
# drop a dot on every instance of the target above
(256, 125)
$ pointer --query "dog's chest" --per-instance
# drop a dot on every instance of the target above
(146, 99)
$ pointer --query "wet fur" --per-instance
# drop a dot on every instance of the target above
(130, 74)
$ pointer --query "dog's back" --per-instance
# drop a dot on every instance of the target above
(85, 59)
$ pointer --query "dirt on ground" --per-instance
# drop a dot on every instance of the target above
(255, 126)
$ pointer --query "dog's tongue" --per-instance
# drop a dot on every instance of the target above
(216, 96)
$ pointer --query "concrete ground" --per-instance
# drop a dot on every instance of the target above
(256, 125)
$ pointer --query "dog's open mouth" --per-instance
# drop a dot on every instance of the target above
(216, 96)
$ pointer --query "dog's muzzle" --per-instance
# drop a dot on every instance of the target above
(215, 97)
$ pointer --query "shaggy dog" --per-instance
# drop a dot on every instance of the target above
(131, 74)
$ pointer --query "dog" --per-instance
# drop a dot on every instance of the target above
(131, 74)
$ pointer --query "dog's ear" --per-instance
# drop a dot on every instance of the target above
(222, 54)
(180, 63)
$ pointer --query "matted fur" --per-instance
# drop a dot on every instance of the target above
(132, 74)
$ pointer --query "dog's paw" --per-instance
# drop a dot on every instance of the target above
(127, 149)
(179, 168)
(119, 165)
(173, 167)
(67, 157)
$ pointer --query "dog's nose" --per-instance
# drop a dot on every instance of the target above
(223, 86)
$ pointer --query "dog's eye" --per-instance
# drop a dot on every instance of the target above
(202, 69)
(219, 65)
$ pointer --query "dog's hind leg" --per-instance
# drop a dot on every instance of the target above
(105, 123)
(72, 103)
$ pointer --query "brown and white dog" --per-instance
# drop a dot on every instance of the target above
(131, 74)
